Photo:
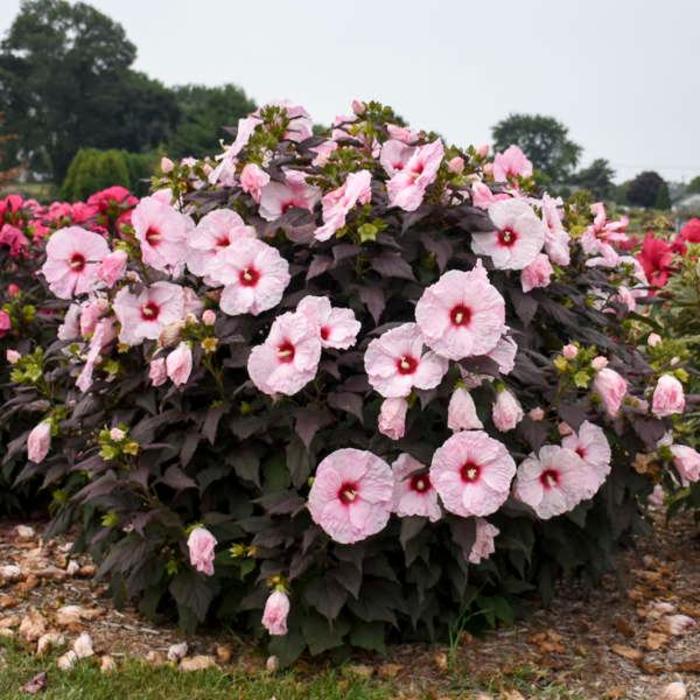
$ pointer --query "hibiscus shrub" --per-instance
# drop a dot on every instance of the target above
(364, 383)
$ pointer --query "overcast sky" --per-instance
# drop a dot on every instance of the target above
(623, 75)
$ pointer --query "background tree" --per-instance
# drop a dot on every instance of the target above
(648, 190)
(544, 140)
(6, 173)
(693, 186)
(597, 178)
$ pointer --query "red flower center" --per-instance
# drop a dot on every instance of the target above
(470, 472)
(223, 242)
(153, 236)
(77, 262)
(348, 493)
(285, 351)
(581, 452)
(286, 206)
(406, 364)
(507, 237)
(325, 332)
(420, 483)
(549, 478)
(249, 277)
(398, 166)
(150, 311)
(460, 315)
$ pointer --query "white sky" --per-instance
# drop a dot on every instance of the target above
(623, 75)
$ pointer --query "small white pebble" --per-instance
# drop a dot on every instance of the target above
(177, 651)
(83, 646)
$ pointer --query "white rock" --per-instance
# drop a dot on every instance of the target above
(177, 651)
(49, 641)
(83, 646)
(68, 615)
(10, 572)
(197, 663)
(73, 568)
(67, 661)
(674, 691)
(25, 532)
(107, 664)
(677, 624)
(272, 664)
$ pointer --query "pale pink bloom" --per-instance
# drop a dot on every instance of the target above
(611, 387)
(300, 125)
(462, 314)
(336, 204)
(556, 239)
(193, 305)
(277, 609)
(225, 170)
(472, 473)
(504, 354)
(483, 197)
(483, 150)
(599, 362)
(536, 414)
(653, 340)
(163, 233)
(73, 257)
(178, 364)
(402, 133)
(39, 442)
(394, 156)
(656, 497)
(511, 163)
(113, 268)
(279, 197)
(209, 317)
(289, 357)
(254, 276)
(591, 445)
(406, 188)
(323, 152)
(687, 463)
(166, 165)
(145, 315)
(202, 545)
(158, 373)
(553, 482)
(461, 412)
(669, 397)
(517, 239)
(537, 274)
(627, 297)
(12, 356)
(215, 232)
(117, 434)
(507, 411)
(395, 362)
(351, 495)
(414, 495)
(338, 328)
(358, 107)
(601, 236)
(70, 328)
(105, 333)
(484, 545)
(564, 429)
(569, 351)
(90, 314)
(392, 418)
(253, 179)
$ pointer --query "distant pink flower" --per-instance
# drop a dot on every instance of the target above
(392, 418)
(517, 239)
(108, 201)
(669, 397)
(209, 317)
(12, 356)
(157, 372)
(556, 239)
(289, 357)
(653, 340)
(14, 239)
(338, 328)
(599, 362)
(90, 313)
(300, 125)
(569, 351)
(163, 233)
(145, 315)
(73, 257)
(536, 414)
(407, 187)
(13, 290)
(537, 274)
(202, 545)
(511, 163)
(472, 473)
(253, 179)
(225, 170)
(394, 156)
(483, 197)
(553, 482)
(483, 150)
(462, 314)
(39, 442)
(611, 387)
(507, 411)
(336, 204)
(687, 462)
(602, 237)
(456, 165)
(351, 495)
(461, 412)
(414, 495)
(113, 268)
(591, 445)
(215, 232)
(178, 364)
(275, 614)
(395, 362)
(279, 197)
(166, 165)
(254, 276)
(402, 133)
(5, 323)
(323, 152)
(504, 354)
(484, 545)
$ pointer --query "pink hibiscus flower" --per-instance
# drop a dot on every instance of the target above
(504, 354)
(274, 619)
(537, 274)
(163, 233)
(414, 494)
(687, 463)
(336, 204)
(351, 496)
(591, 445)
(73, 257)
(394, 156)
(145, 315)
(553, 482)
(611, 387)
(289, 357)
(668, 398)
(14, 239)
(215, 232)
(407, 187)
(472, 473)
(484, 545)
(511, 163)
(556, 239)
(461, 412)
(507, 411)
(202, 550)
(337, 328)
(601, 237)
(392, 418)
(278, 197)
(253, 179)
(483, 197)
(462, 314)
(395, 362)
(517, 239)
(104, 334)
(254, 276)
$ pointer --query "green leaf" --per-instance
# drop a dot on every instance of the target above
(368, 635)
(321, 635)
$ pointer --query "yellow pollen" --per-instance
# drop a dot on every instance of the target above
(459, 317)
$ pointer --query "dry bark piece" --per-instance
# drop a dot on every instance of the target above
(655, 640)
(67, 661)
(156, 658)
(359, 670)
(197, 663)
(49, 641)
(389, 671)
(33, 625)
(627, 652)
(25, 532)
(82, 646)
(223, 653)
(673, 691)
(107, 664)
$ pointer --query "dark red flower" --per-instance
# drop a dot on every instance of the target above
(656, 257)
(690, 233)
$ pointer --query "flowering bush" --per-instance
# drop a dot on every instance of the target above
(346, 386)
